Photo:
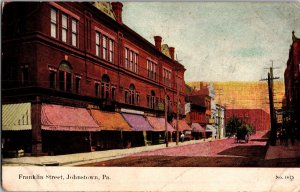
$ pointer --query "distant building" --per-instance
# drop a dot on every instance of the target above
(258, 118)
(245, 95)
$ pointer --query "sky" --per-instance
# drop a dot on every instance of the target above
(220, 41)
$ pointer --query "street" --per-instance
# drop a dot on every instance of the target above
(215, 153)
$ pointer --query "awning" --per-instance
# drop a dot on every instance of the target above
(110, 121)
(65, 118)
(196, 127)
(182, 125)
(16, 117)
(137, 122)
(158, 124)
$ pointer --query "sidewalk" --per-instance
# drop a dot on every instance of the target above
(88, 157)
(283, 152)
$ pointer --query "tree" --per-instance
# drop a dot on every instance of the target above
(233, 125)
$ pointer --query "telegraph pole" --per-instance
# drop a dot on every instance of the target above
(166, 115)
(219, 111)
(271, 102)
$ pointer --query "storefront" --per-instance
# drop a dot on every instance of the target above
(142, 130)
(16, 129)
(159, 129)
(115, 131)
(198, 131)
(66, 129)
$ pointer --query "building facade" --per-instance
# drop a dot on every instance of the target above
(258, 118)
(291, 101)
(75, 54)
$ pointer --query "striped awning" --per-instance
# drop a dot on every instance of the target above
(16, 117)
(158, 124)
(65, 118)
(110, 121)
(137, 122)
(182, 125)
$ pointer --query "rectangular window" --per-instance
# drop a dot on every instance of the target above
(97, 43)
(61, 77)
(138, 99)
(151, 70)
(53, 23)
(113, 93)
(97, 89)
(126, 97)
(52, 79)
(68, 82)
(24, 75)
(148, 100)
(126, 58)
(104, 47)
(77, 85)
(102, 90)
(131, 61)
(74, 32)
(111, 50)
(136, 63)
(64, 27)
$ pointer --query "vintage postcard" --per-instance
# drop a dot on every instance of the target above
(150, 96)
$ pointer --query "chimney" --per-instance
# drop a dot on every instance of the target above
(172, 50)
(117, 8)
(157, 40)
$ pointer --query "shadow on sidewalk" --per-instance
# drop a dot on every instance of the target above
(257, 152)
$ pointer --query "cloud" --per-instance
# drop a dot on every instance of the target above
(220, 40)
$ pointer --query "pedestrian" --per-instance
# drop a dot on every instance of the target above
(182, 137)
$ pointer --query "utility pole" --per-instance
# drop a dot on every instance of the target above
(166, 126)
(271, 102)
(219, 93)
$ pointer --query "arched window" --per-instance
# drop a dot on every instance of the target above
(131, 96)
(105, 86)
(65, 76)
(152, 100)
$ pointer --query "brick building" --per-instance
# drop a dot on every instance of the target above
(291, 101)
(63, 61)
(258, 118)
